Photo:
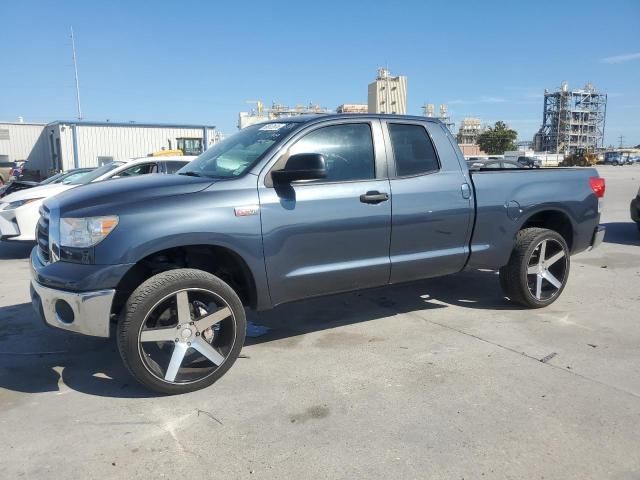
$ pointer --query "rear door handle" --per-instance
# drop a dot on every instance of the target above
(374, 197)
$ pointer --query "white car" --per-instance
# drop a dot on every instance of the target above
(20, 211)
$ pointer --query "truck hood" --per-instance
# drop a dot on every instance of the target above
(43, 191)
(145, 188)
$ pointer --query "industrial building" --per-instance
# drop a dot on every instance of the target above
(428, 110)
(22, 141)
(572, 120)
(352, 108)
(469, 131)
(277, 110)
(62, 145)
(388, 94)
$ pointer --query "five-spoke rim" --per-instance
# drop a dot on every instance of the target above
(187, 336)
(547, 269)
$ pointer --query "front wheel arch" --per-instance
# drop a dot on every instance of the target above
(216, 260)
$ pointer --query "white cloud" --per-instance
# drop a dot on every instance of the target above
(482, 99)
(487, 99)
(626, 57)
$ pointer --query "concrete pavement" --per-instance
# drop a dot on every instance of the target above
(438, 379)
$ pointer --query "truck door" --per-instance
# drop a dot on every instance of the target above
(431, 202)
(330, 235)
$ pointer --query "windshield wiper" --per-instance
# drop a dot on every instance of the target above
(192, 174)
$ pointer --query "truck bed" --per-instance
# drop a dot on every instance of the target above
(507, 199)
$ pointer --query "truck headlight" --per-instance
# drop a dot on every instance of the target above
(85, 232)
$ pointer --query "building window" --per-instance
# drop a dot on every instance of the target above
(4, 134)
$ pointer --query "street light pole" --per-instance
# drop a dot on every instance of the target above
(75, 69)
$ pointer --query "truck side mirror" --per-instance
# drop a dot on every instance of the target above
(303, 166)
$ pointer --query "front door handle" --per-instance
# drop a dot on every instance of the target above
(374, 197)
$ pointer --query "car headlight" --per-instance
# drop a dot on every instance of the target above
(85, 232)
(20, 203)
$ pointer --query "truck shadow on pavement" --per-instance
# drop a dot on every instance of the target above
(15, 250)
(623, 233)
(35, 358)
(469, 289)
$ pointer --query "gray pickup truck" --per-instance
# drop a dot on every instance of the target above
(288, 210)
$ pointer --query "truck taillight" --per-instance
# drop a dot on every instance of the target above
(597, 185)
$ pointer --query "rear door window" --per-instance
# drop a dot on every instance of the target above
(412, 149)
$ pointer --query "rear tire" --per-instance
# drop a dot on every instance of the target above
(538, 268)
(181, 330)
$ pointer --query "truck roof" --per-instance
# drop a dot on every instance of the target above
(332, 116)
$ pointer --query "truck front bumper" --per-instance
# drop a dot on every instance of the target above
(55, 296)
(87, 313)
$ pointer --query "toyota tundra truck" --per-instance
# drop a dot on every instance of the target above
(292, 209)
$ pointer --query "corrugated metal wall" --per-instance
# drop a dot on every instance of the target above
(24, 141)
(119, 142)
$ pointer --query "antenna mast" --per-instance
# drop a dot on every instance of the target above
(75, 69)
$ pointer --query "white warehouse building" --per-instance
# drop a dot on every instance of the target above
(62, 145)
(21, 141)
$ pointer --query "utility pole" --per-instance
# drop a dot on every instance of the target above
(75, 69)
(621, 138)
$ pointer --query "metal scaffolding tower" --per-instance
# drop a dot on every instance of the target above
(572, 120)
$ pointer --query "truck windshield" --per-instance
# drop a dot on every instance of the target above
(235, 155)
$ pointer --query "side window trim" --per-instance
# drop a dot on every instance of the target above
(377, 139)
(391, 156)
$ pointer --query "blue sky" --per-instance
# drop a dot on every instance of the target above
(199, 62)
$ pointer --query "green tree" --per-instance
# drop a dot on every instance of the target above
(497, 139)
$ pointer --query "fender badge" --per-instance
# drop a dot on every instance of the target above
(246, 211)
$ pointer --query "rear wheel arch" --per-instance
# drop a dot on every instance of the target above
(552, 219)
(220, 261)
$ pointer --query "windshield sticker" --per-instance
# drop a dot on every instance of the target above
(272, 126)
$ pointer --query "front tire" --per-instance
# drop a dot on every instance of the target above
(538, 268)
(181, 330)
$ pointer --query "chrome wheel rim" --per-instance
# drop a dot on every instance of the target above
(547, 269)
(187, 336)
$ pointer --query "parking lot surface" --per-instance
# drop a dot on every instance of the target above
(438, 379)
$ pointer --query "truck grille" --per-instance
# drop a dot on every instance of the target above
(42, 235)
